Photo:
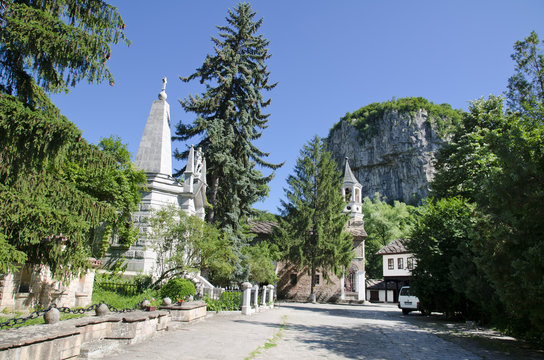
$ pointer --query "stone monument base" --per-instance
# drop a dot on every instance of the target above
(187, 312)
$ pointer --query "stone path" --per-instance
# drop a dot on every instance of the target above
(320, 331)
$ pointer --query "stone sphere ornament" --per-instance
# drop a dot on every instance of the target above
(167, 301)
(52, 316)
(101, 310)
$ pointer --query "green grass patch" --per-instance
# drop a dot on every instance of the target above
(270, 343)
(124, 301)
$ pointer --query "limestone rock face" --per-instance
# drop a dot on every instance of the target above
(395, 157)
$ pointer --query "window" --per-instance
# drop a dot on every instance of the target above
(293, 279)
(390, 264)
(347, 193)
(405, 291)
(410, 262)
(25, 279)
(400, 263)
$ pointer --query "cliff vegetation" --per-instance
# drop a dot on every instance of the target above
(441, 116)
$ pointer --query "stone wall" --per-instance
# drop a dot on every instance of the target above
(90, 337)
(34, 285)
(394, 159)
(326, 291)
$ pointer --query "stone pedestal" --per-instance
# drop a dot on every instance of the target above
(188, 312)
(246, 299)
(271, 295)
(256, 297)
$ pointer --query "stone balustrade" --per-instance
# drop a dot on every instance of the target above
(250, 298)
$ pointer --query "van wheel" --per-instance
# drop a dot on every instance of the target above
(405, 311)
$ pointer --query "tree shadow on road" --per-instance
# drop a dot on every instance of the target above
(387, 334)
(349, 311)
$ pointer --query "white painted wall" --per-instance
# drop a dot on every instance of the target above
(381, 295)
(396, 271)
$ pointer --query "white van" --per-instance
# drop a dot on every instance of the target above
(408, 302)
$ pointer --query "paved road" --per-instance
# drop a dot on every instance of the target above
(322, 331)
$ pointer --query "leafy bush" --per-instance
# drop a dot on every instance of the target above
(229, 301)
(177, 289)
(122, 286)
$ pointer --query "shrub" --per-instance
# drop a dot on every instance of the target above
(229, 301)
(121, 301)
(177, 289)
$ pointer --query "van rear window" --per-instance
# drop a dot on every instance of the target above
(405, 291)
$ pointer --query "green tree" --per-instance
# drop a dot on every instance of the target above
(229, 120)
(55, 209)
(526, 86)
(445, 272)
(52, 182)
(261, 261)
(383, 224)
(466, 164)
(186, 244)
(53, 44)
(313, 229)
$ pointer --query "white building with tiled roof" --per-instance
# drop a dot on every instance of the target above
(398, 264)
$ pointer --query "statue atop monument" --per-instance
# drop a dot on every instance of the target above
(162, 94)
(198, 163)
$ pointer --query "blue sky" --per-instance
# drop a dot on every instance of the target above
(329, 57)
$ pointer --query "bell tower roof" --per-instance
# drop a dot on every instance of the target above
(352, 192)
(349, 178)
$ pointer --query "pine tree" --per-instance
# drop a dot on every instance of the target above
(313, 225)
(61, 199)
(230, 118)
(50, 45)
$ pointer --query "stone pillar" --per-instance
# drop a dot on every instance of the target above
(264, 296)
(256, 297)
(271, 295)
(246, 299)
(361, 288)
(342, 293)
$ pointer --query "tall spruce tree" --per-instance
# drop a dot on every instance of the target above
(312, 229)
(230, 118)
(50, 45)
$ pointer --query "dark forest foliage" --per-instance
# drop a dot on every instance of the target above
(495, 163)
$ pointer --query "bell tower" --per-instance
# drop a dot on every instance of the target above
(352, 191)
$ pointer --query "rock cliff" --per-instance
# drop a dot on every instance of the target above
(391, 149)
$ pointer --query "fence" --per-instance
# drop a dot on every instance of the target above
(121, 287)
(220, 299)
(13, 322)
